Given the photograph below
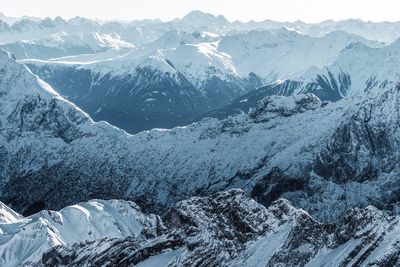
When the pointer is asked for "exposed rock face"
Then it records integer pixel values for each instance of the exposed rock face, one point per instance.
(275, 106)
(229, 229)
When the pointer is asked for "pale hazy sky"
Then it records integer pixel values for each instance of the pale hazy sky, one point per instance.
(282, 10)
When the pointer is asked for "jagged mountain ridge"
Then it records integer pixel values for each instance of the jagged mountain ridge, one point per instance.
(148, 30)
(274, 151)
(226, 229)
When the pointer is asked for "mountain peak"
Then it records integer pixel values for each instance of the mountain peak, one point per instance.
(198, 16)
(14, 78)
(197, 13)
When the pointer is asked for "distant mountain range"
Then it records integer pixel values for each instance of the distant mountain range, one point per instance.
(194, 21)
(151, 74)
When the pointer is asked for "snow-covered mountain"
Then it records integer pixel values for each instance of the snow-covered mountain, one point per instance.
(28, 29)
(145, 31)
(215, 69)
(385, 31)
(200, 21)
(12, 20)
(62, 45)
(23, 240)
(224, 229)
(277, 54)
(143, 89)
(357, 70)
(324, 157)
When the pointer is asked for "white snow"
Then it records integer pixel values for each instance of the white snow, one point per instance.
(277, 54)
(363, 64)
(23, 240)
(7, 215)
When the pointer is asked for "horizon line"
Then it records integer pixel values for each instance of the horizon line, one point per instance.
(33, 17)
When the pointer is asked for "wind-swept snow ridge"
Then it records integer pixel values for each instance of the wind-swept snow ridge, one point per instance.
(7, 215)
(23, 240)
(13, 72)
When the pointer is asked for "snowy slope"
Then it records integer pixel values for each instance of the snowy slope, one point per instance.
(385, 31)
(24, 239)
(62, 44)
(331, 159)
(7, 215)
(174, 39)
(198, 62)
(28, 29)
(277, 54)
(11, 20)
(136, 33)
(367, 69)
